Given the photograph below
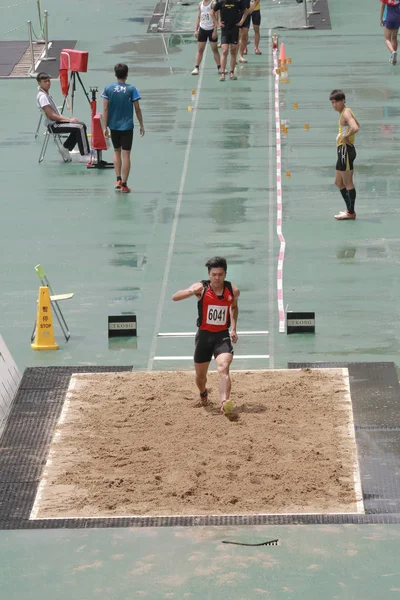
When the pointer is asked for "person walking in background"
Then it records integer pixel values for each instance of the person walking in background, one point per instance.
(120, 99)
(390, 20)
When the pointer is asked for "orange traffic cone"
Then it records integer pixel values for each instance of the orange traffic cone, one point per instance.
(282, 54)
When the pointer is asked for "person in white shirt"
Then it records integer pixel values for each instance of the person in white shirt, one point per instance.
(60, 124)
(206, 29)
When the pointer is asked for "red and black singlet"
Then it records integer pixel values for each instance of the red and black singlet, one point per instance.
(214, 314)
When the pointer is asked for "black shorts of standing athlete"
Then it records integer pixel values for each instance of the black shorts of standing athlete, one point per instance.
(122, 139)
(205, 35)
(256, 17)
(346, 155)
(209, 343)
(230, 36)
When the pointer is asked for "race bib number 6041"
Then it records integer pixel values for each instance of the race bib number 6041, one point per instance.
(217, 315)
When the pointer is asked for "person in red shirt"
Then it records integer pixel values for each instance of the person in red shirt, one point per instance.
(217, 304)
(390, 20)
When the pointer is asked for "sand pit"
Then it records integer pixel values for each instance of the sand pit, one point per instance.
(140, 444)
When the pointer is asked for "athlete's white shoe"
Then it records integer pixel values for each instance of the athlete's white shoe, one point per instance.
(232, 76)
(222, 77)
(242, 60)
(195, 71)
(393, 58)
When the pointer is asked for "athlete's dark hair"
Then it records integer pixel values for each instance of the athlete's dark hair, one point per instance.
(121, 71)
(41, 76)
(337, 95)
(216, 263)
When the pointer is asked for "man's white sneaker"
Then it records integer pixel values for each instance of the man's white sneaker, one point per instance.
(65, 154)
(232, 76)
(393, 58)
(195, 71)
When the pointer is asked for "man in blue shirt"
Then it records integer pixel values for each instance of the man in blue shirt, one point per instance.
(119, 100)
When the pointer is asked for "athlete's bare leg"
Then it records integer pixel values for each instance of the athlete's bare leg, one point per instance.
(200, 51)
(256, 36)
(214, 48)
(223, 363)
(234, 50)
(390, 39)
(117, 161)
(126, 165)
(201, 375)
(224, 58)
(243, 40)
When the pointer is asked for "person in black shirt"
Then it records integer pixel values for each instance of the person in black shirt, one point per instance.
(233, 15)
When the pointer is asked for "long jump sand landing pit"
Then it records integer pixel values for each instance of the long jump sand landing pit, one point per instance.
(140, 444)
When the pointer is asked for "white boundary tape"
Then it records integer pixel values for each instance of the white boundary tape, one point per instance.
(281, 256)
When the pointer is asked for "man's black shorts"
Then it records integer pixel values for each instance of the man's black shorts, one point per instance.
(256, 17)
(122, 139)
(206, 34)
(208, 343)
(230, 36)
(346, 156)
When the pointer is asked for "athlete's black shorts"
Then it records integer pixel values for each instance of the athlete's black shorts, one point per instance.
(206, 34)
(230, 36)
(256, 17)
(122, 139)
(209, 343)
(246, 23)
(346, 156)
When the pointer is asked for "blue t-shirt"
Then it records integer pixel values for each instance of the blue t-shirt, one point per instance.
(121, 97)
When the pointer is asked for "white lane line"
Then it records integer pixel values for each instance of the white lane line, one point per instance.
(236, 357)
(271, 208)
(178, 334)
(175, 221)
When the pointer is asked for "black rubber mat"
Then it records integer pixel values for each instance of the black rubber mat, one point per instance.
(25, 443)
(10, 54)
(375, 394)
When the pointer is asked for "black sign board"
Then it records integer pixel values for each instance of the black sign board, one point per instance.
(300, 322)
(122, 325)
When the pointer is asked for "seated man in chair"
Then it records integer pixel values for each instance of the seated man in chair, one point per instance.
(60, 124)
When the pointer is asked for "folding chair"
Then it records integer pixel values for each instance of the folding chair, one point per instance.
(54, 299)
(57, 138)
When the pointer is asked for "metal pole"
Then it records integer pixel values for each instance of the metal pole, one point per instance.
(46, 37)
(31, 47)
(305, 12)
(40, 15)
(312, 11)
(165, 14)
(46, 34)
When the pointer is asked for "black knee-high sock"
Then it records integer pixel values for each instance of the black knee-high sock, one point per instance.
(352, 199)
(345, 197)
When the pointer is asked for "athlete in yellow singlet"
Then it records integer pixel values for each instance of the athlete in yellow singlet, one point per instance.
(346, 154)
(255, 17)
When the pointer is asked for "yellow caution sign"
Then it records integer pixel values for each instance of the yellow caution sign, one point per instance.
(44, 335)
